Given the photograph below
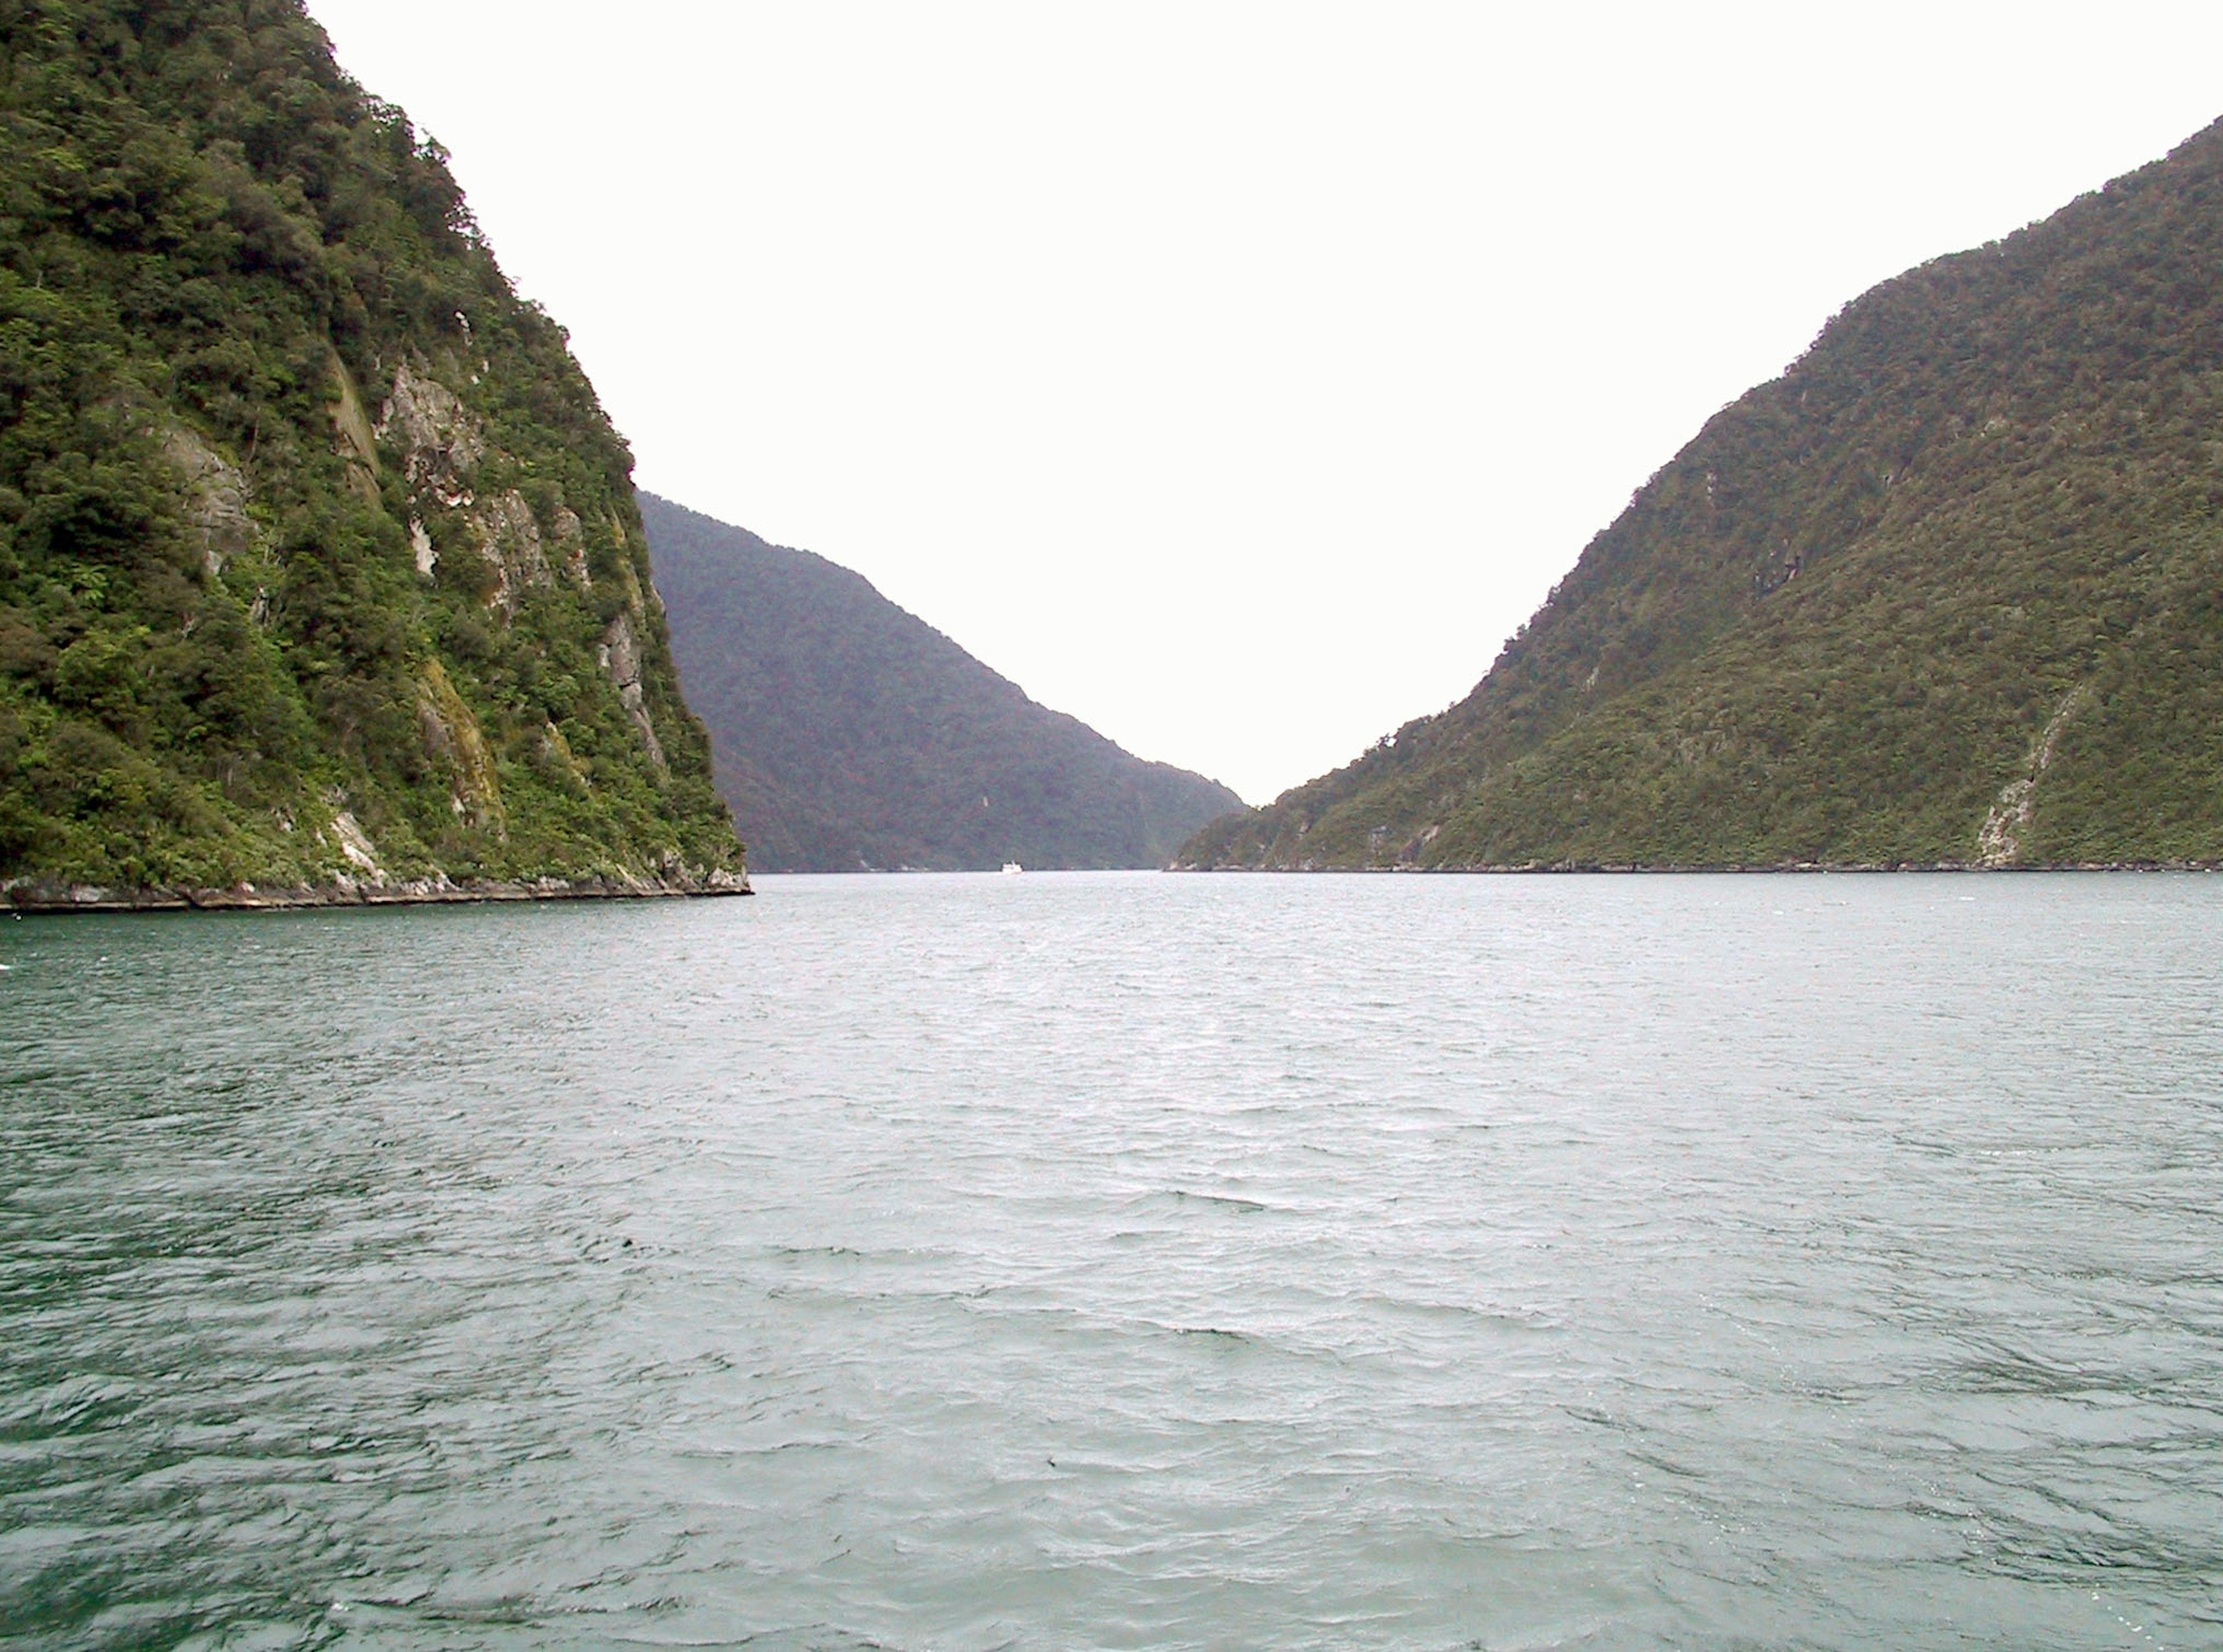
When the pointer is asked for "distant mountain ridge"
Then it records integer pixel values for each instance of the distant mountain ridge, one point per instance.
(1949, 592)
(849, 735)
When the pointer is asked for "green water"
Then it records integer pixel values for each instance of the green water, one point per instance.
(1123, 1260)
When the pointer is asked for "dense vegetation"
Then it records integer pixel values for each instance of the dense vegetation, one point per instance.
(1949, 591)
(851, 735)
(318, 559)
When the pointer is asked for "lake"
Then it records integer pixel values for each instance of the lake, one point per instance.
(1123, 1260)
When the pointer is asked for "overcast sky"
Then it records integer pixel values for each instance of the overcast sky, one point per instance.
(1233, 376)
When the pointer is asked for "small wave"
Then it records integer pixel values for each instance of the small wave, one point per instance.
(1590, 1413)
(1222, 1201)
(1234, 1338)
(1451, 1313)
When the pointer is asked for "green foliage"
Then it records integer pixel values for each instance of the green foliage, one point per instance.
(216, 255)
(851, 734)
(1945, 593)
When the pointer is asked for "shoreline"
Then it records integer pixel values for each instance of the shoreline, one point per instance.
(1773, 867)
(46, 895)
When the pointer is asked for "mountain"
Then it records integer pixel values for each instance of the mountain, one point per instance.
(851, 735)
(321, 576)
(1949, 592)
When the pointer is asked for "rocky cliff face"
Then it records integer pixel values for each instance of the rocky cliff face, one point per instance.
(321, 573)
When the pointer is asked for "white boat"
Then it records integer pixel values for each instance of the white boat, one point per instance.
(1010, 866)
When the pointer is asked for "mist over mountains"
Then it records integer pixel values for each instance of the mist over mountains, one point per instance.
(850, 735)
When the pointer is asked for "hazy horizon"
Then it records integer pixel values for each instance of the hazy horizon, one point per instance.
(1235, 378)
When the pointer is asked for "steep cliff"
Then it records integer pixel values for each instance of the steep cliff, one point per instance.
(321, 574)
(851, 734)
(1948, 591)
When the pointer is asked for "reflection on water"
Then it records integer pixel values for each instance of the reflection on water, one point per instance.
(1123, 1260)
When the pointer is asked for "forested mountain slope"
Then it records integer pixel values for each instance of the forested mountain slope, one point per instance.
(320, 570)
(1949, 591)
(851, 735)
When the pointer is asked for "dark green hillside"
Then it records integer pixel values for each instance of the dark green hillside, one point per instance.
(1949, 591)
(320, 563)
(850, 734)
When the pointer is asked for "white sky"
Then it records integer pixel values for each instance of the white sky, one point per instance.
(1234, 376)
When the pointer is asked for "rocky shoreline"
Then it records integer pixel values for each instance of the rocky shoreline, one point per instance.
(33, 895)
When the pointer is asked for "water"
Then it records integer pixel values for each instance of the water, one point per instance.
(1123, 1261)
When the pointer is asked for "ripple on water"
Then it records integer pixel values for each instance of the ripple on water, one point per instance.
(1123, 1260)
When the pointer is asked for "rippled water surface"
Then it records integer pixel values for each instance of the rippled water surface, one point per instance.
(1124, 1261)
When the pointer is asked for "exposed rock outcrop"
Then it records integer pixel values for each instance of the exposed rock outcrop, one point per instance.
(1998, 840)
(356, 846)
(509, 539)
(216, 499)
(352, 432)
(620, 656)
(440, 442)
(571, 536)
(452, 737)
